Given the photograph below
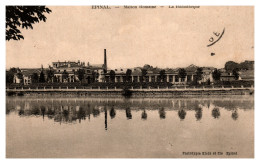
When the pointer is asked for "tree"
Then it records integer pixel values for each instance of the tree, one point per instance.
(80, 73)
(50, 75)
(23, 16)
(94, 76)
(35, 78)
(112, 75)
(144, 73)
(147, 67)
(230, 66)
(162, 75)
(42, 79)
(65, 76)
(199, 74)
(216, 75)
(9, 77)
(235, 73)
(182, 73)
(128, 74)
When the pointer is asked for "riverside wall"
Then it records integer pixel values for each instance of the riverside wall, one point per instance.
(129, 93)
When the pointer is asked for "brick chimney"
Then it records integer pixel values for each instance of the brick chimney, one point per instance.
(105, 60)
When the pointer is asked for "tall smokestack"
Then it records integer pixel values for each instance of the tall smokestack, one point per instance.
(105, 60)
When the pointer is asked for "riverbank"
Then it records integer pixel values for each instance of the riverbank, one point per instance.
(159, 92)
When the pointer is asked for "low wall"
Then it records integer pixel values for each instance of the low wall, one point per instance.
(172, 92)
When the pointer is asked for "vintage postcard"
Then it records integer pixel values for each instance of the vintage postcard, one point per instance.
(130, 81)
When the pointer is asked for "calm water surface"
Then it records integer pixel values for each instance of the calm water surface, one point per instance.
(118, 127)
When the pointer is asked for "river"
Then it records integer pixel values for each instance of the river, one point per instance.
(130, 128)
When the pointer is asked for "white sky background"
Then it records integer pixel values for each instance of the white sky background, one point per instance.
(160, 37)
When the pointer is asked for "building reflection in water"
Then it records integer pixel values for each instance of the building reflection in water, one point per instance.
(69, 111)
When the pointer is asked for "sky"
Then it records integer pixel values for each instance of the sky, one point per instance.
(163, 37)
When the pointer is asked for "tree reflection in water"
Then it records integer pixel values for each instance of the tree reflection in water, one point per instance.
(81, 114)
(112, 113)
(128, 113)
(162, 113)
(198, 113)
(71, 111)
(215, 113)
(234, 115)
(182, 114)
(144, 115)
(21, 112)
(96, 112)
(43, 111)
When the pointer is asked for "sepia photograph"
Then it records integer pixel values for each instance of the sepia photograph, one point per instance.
(127, 81)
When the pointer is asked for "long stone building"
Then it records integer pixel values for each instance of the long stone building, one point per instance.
(67, 72)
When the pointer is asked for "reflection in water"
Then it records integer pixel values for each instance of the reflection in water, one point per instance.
(105, 108)
(215, 113)
(128, 113)
(182, 114)
(234, 115)
(198, 114)
(69, 111)
(144, 115)
(112, 112)
(118, 127)
(162, 113)
(43, 111)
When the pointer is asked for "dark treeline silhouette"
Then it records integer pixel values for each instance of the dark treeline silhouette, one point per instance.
(70, 111)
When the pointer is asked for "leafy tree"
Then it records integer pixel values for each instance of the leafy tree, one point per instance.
(65, 75)
(162, 75)
(235, 73)
(182, 73)
(216, 75)
(50, 75)
(144, 73)
(10, 74)
(55, 79)
(23, 16)
(35, 78)
(128, 74)
(80, 73)
(42, 79)
(9, 77)
(230, 66)
(147, 67)
(94, 76)
(199, 74)
(112, 75)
